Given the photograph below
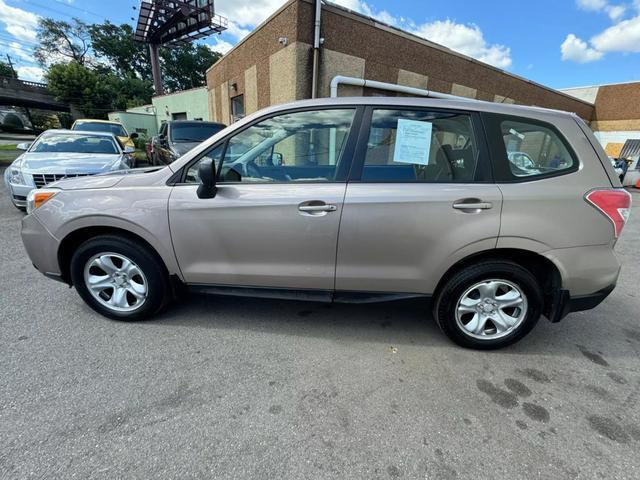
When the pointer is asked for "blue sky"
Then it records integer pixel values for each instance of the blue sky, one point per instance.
(559, 43)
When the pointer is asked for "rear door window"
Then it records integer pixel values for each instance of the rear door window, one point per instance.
(526, 149)
(420, 146)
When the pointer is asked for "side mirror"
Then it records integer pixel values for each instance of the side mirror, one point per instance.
(207, 174)
(23, 146)
(133, 135)
(129, 150)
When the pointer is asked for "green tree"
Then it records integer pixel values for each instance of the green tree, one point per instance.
(61, 41)
(115, 44)
(82, 87)
(7, 71)
(129, 91)
(185, 66)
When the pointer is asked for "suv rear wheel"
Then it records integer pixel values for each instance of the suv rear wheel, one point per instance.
(119, 278)
(489, 305)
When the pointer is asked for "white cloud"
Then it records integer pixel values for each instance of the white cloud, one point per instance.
(21, 53)
(237, 31)
(221, 46)
(248, 12)
(363, 7)
(32, 74)
(18, 23)
(577, 50)
(593, 5)
(621, 37)
(466, 39)
(615, 12)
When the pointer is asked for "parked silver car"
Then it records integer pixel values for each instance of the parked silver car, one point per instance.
(58, 154)
(353, 200)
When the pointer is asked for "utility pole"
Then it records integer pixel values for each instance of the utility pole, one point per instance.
(15, 74)
(155, 68)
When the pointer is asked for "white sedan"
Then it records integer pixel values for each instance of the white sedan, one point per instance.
(58, 154)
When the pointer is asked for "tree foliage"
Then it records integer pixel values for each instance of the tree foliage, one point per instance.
(61, 41)
(7, 71)
(115, 44)
(184, 67)
(100, 68)
(96, 92)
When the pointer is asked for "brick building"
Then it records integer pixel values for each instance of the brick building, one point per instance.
(274, 64)
(616, 116)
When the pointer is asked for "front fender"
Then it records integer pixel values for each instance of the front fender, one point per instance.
(141, 211)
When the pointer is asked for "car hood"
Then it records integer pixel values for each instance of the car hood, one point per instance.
(105, 180)
(68, 163)
(183, 147)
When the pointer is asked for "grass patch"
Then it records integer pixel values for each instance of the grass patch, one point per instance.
(8, 147)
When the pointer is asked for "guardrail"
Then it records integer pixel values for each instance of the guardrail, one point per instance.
(9, 82)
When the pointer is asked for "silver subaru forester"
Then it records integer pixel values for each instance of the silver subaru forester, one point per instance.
(497, 213)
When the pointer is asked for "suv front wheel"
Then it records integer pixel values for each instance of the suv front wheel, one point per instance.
(120, 278)
(488, 305)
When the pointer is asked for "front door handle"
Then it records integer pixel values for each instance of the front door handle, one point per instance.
(317, 208)
(472, 205)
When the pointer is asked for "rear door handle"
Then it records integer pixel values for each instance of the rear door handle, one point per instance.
(473, 206)
(317, 208)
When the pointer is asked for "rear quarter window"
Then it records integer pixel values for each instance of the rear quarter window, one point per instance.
(524, 149)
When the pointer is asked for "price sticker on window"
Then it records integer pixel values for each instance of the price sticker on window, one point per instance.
(413, 142)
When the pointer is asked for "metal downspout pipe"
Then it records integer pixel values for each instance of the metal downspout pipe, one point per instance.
(316, 50)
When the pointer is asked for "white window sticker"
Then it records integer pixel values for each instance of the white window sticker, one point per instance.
(413, 142)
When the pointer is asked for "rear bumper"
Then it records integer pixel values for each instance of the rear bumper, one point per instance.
(578, 303)
(587, 302)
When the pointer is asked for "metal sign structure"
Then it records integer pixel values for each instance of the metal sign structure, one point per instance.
(173, 23)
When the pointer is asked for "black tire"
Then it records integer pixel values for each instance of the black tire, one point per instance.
(447, 297)
(158, 287)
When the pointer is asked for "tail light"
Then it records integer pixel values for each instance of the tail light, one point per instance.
(614, 203)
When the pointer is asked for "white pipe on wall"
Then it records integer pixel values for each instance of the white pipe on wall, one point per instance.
(392, 87)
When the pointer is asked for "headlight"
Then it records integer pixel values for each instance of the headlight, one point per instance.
(15, 176)
(37, 198)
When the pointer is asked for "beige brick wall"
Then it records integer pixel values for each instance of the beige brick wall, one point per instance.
(335, 63)
(463, 91)
(412, 79)
(224, 101)
(615, 125)
(286, 73)
(251, 90)
(212, 105)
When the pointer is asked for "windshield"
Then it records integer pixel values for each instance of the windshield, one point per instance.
(114, 128)
(73, 143)
(193, 132)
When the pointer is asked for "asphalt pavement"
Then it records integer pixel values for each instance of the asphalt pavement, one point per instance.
(231, 388)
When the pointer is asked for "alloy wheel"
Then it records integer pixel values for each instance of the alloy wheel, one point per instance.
(491, 309)
(116, 282)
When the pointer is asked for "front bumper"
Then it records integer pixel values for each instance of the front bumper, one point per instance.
(41, 246)
(19, 193)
